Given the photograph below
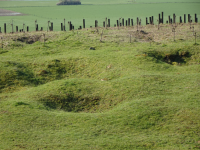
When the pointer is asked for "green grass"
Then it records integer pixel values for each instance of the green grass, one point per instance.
(121, 95)
(99, 10)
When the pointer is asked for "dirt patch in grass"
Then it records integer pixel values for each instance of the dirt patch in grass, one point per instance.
(29, 39)
(4, 12)
(174, 57)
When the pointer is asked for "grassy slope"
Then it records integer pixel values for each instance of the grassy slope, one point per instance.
(70, 13)
(124, 98)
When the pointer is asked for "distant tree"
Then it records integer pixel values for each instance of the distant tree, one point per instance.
(69, 2)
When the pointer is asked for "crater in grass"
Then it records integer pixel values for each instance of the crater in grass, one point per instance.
(70, 102)
(29, 39)
(173, 57)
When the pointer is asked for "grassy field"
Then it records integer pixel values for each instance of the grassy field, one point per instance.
(125, 94)
(91, 11)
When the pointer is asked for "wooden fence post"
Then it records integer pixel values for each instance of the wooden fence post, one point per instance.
(51, 26)
(123, 22)
(169, 19)
(5, 28)
(48, 26)
(84, 23)
(0, 29)
(64, 25)
(196, 19)
(189, 18)
(108, 22)
(27, 29)
(95, 23)
(131, 22)
(61, 26)
(152, 21)
(184, 18)
(128, 21)
(159, 20)
(147, 21)
(174, 18)
(2, 42)
(35, 25)
(162, 17)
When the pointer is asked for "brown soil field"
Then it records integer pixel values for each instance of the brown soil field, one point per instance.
(4, 12)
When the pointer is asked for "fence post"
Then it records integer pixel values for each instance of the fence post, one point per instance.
(48, 26)
(137, 23)
(149, 20)
(128, 21)
(180, 19)
(108, 22)
(95, 23)
(16, 28)
(169, 19)
(146, 21)
(152, 21)
(188, 17)
(2, 42)
(23, 27)
(174, 18)
(104, 24)
(162, 17)
(195, 16)
(35, 25)
(51, 26)
(64, 25)
(84, 23)
(131, 22)
(123, 22)
(159, 19)
(184, 18)
(27, 29)
(0, 29)
(5, 28)
(71, 26)
(61, 26)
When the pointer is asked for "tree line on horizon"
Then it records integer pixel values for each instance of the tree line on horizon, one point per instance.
(69, 2)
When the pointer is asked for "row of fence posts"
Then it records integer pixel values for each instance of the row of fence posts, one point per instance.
(170, 20)
(106, 23)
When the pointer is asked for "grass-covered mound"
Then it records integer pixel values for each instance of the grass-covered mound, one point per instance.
(116, 95)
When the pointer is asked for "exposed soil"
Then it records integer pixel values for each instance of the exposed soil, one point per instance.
(4, 12)
(29, 39)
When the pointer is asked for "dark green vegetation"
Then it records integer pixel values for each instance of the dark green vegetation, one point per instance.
(122, 95)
